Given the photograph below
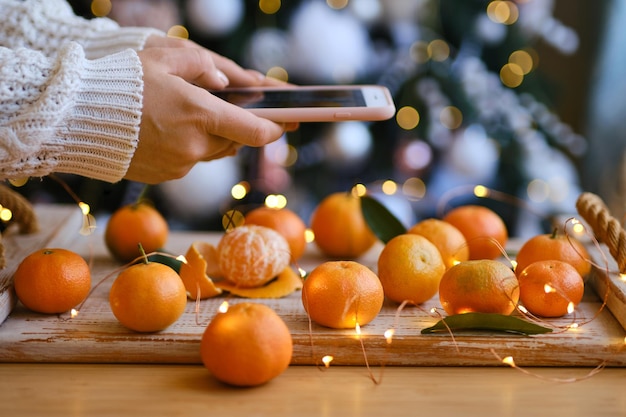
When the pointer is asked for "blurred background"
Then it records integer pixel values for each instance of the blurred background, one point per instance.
(522, 97)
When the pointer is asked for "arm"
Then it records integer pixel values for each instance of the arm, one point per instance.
(68, 114)
(72, 115)
(46, 25)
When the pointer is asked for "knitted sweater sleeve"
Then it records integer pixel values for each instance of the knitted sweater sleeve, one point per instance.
(46, 25)
(70, 92)
(68, 114)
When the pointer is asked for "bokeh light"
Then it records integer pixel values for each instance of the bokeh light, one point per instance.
(512, 75)
(101, 8)
(451, 117)
(269, 6)
(438, 50)
(523, 59)
(389, 187)
(414, 188)
(240, 190)
(178, 31)
(276, 201)
(505, 12)
(408, 118)
(278, 73)
(419, 52)
(337, 4)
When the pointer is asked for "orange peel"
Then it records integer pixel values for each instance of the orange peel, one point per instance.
(285, 283)
(196, 271)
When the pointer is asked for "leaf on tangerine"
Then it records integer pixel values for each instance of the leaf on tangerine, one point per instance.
(285, 283)
(195, 272)
(380, 220)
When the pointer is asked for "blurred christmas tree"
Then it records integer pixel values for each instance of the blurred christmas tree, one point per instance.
(471, 107)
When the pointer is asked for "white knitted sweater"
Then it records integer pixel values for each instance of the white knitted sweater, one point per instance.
(70, 92)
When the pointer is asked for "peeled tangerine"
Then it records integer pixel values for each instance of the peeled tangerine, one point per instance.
(250, 256)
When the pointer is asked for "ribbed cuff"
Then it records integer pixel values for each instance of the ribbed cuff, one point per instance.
(101, 133)
(105, 42)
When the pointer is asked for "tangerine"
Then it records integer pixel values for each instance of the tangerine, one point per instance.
(483, 228)
(148, 297)
(342, 294)
(339, 226)
(52, 280)
(410, 268)
(482, 286)
(556, 246)
(132, 225)
(550, 288)
(447, 238)
(285, 222)
(247, 345)
(250, 255)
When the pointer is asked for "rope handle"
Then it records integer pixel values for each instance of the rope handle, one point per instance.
(23, 214)
(607, 228)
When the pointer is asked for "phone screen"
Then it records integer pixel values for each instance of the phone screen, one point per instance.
(284, 98)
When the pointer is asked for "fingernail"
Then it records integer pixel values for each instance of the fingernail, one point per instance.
(223, 78)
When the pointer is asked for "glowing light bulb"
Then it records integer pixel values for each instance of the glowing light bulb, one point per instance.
(302, 272)
(573, 326)
(182, 259)
(327, 360)
(481, 191)
(389, 335)
(547, 288)
(73, 313)
(570, 307)
(223, 308)
(522, 309)
(357, 330)
(84, 207)
(509, 361)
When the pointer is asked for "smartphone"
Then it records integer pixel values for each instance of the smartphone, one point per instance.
(318, 103)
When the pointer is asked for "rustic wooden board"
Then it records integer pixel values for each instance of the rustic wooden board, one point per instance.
(52, 225)
(96, 336)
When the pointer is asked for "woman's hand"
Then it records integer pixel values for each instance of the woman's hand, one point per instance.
(181, 122)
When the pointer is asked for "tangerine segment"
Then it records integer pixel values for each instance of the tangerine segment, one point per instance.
(410, 268)
(342, 294)
(554, 246)
(483, 228)
(250, 256)
(549, 288)
(481, 286)
(52, 280)
(194, 271)
(339, 227)
(285, 283)
(247, 345)
(147, 297)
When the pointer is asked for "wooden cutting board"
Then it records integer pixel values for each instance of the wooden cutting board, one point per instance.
(95, 335)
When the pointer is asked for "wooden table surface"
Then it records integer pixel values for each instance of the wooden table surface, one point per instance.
(189, 390)
(32, 388)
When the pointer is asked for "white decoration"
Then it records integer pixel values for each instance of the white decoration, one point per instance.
(327, 45)
(267, 48)
(215, 17)
(348, 144)
(474, 155)
(201, 193)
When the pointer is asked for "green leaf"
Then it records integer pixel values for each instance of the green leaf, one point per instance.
(382, 222)
(164, 259)
(486, 321)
